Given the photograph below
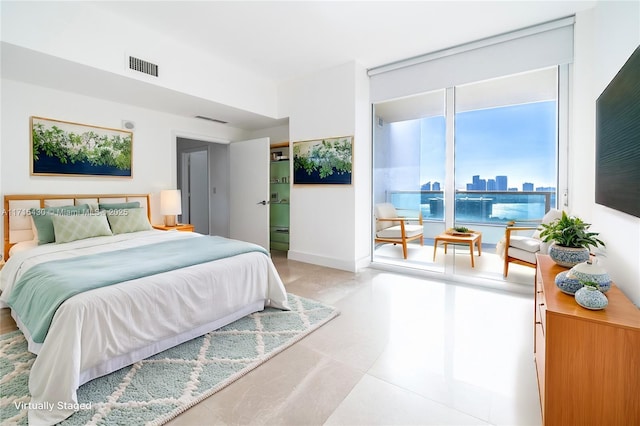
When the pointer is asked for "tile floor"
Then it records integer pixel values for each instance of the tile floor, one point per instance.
(404, 351)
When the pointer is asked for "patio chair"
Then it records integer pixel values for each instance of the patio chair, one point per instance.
(520, 249)
(392, 228)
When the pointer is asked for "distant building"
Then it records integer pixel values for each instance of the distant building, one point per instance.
(527, 186)
(426, 187)
(477, 185)
(435, 186)
(513, 189)
(501, 183)
(491, 185)
(546, 189)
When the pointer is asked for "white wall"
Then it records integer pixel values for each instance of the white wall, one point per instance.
(363, 221)
(604, 39)
(82, 32)
(154, 162)
(275, 134)
(329, 222)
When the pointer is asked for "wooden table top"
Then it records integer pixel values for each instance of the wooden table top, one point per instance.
(459, 238)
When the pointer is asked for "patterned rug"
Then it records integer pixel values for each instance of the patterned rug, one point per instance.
(159, 388)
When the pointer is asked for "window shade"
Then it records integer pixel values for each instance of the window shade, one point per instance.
(523, 50)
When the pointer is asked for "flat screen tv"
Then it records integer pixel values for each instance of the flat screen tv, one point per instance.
(618, 140)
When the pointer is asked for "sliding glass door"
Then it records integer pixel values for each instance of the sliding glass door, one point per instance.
(506, 146)
(410, 167)
(477, 156)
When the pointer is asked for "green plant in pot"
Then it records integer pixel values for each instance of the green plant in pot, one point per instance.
(570, 239)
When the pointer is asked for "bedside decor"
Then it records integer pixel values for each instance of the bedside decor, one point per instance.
(566, 284)
(170, 205)
(460, 231)
(591, 271)
(323, 161)
(571, 240)
(590, 297)
(65, 148)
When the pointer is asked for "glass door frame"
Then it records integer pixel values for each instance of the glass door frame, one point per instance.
(563, 110)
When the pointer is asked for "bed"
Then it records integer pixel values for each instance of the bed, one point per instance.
(143, 290)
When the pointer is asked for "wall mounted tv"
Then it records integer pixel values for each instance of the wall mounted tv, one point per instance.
(618, 140)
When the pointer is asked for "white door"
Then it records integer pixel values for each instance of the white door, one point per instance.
(249, 191)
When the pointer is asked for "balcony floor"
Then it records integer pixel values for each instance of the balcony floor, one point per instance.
(487, 271)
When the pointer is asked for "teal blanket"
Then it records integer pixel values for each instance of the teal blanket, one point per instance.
(43, 288)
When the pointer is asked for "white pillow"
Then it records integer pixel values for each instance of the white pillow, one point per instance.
(549, 217)
(78, 227)
(22, 246)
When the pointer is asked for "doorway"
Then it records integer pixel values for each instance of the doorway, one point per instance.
(203, 178)
(195, 189)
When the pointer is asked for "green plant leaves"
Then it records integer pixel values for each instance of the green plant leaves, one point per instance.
(89, 147)
(327, 158)
(570, 232)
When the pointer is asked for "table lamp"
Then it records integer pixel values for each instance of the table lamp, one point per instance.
(170, 205)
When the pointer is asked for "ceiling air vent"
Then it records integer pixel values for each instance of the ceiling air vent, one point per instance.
(143, 66)
(215, 120)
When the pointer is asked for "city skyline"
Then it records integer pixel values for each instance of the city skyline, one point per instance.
(500, 183)
(518, 141)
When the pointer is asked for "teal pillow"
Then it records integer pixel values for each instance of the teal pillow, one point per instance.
(44, 225)
(123, 221)
(118, 206)
(71, 228)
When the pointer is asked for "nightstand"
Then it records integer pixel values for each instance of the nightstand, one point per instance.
(184, 227)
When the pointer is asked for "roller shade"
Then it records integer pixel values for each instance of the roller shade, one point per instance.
(523, 50)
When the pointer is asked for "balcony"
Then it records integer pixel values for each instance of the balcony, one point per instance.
(486, 211)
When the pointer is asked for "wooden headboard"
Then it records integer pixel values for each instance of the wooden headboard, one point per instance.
(17, 223)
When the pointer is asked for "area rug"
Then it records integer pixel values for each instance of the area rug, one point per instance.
(159, 388)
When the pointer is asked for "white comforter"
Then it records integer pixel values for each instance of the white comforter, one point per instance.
(102, 330)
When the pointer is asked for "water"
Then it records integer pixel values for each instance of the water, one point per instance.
(519, 211)
(478, 207)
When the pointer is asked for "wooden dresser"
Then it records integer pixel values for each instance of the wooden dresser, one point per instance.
(588, 362)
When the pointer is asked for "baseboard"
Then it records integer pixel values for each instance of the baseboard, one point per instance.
(330, 262)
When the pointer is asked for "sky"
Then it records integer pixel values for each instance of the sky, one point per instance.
(515, 141)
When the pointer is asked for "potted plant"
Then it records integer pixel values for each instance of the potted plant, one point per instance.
(571, 240)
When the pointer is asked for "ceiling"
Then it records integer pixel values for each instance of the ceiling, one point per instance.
(287, 40)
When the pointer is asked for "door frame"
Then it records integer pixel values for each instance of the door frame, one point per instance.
(184, 182)
(177, 159)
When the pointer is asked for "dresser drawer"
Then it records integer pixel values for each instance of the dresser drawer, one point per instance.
(541, 315)
(541, 307)
(540, 357)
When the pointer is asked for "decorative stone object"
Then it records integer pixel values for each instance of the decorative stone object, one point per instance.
(567, 285)
(591, 298)
(568, 256)
(591, 271)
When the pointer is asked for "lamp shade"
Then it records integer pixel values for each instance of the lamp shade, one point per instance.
(170, 202)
